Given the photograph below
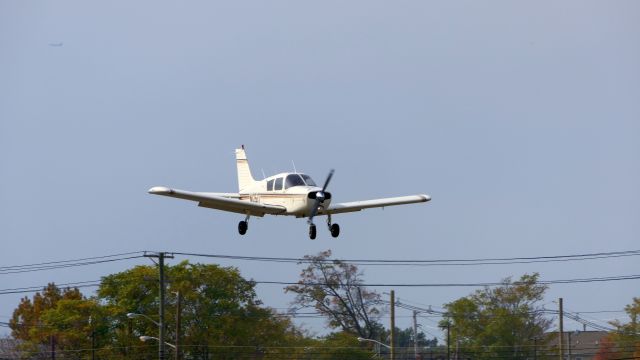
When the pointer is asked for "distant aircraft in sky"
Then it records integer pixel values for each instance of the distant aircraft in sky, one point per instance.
(292, 194)
(58, 44)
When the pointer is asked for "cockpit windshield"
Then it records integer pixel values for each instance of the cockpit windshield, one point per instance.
(308, 180)
(293, 180)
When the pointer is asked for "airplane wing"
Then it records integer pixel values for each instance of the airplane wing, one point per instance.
(220, 201)
(366, 204)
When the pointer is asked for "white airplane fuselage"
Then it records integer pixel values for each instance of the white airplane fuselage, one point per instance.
(295, 199)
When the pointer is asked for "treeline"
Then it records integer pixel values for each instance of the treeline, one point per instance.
(222, 318)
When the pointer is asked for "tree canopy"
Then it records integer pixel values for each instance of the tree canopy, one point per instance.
(625, 341)
(499, 322)
(221, 315)
(335, 289)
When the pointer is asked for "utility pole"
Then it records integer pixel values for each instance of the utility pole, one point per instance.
(161, 256)
(93, 338)
(53, 347)
(178, 312)
(535, 348)
(561, 337)
(393, 325)
(415, 334)
(448, 340)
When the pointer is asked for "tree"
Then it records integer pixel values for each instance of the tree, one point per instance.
(221, 315)
(79, 326)
(29, 324)
(627, 336)
(606, 350)
(334, 288)
(498, 322)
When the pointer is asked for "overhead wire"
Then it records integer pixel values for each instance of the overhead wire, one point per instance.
(427, 262)
(15, 269)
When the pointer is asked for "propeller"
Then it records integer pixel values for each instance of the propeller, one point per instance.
(320, 196)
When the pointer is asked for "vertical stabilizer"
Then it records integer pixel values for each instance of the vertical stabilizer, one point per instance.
(244, 173)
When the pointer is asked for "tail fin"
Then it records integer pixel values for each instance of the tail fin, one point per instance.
(244, 172)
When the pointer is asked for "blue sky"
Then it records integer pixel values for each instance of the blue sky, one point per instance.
(521, 120)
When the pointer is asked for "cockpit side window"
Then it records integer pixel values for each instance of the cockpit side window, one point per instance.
(293, 180)
(278, 184)
(270, 185)
(308, 180)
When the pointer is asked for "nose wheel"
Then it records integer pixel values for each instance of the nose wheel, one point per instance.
(334, 229)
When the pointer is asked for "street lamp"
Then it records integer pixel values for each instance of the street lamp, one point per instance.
(144, 338)
(134, 315)
(378, 344)
(374, 341)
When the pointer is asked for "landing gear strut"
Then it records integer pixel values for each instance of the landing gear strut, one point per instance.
(243, 226)
(333, 228)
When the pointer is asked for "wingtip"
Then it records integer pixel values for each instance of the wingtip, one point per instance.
(426, 197)
(159, 190)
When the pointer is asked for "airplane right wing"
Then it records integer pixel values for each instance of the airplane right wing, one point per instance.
(366, 204)
(220, 201)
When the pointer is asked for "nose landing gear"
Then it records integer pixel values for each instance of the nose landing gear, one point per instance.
(334, 229)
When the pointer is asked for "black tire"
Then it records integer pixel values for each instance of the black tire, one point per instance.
(312, 232)
(335, 230)
(242, 227)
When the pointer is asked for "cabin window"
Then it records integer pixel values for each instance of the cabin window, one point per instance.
(308, 180)
(293, 180)
(270, 185)
(278, 185)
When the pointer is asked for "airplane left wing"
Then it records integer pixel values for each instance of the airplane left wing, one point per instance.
(220, 201)
(366, 204)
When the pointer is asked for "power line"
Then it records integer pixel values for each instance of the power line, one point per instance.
(479, 284)
(428, 262)
(14, 269)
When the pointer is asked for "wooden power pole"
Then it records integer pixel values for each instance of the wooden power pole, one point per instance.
(561, 337)
(393, 325)
(161, 342)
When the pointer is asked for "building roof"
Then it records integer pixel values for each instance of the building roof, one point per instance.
(581, 343)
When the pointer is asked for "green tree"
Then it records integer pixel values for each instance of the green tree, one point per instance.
(627, 336)
(498, 322)
(79, 326)
(221, 315)
(334, 289)
(30, 324)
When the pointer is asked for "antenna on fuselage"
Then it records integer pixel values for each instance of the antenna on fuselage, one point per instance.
(263, 175)
(294, 167)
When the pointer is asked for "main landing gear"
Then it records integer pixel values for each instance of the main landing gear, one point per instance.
(243, 226)
(334, 229)
(312, 232)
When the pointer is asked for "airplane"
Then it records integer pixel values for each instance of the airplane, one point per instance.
(292, 194)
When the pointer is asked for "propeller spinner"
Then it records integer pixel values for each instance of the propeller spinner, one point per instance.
(320, 196)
